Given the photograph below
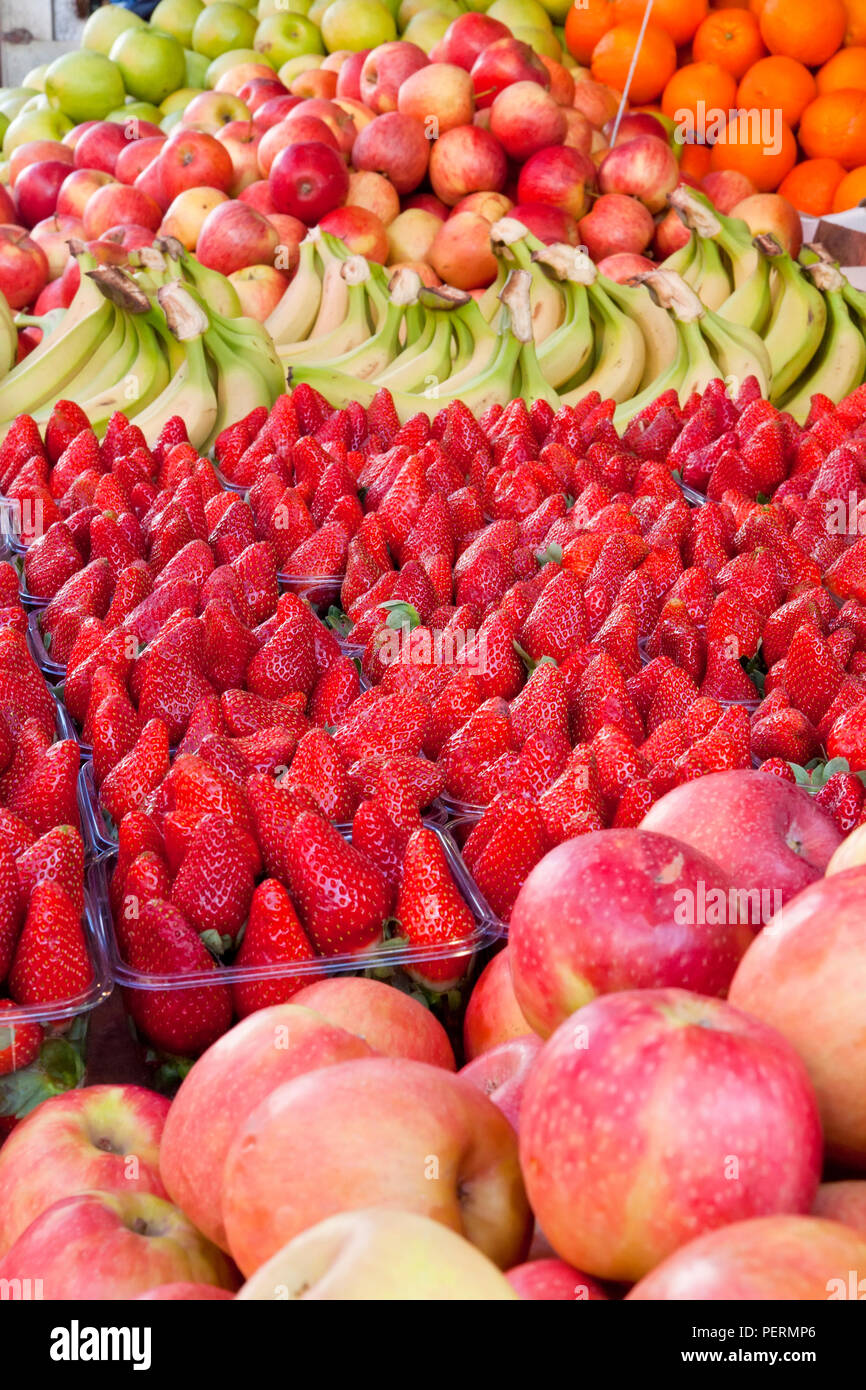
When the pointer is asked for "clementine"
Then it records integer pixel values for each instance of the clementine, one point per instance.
(811, 185)
(834, 127)
(731, 39)
(699, 94)
(855, 10)
(847, 68)
(764, 151)
(778, 84)
(679, 18)
(851, 191)
(585, 24)
(657, 61)
(804, 30)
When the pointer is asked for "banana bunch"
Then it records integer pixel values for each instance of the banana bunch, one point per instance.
(153, 341)
(8, 337)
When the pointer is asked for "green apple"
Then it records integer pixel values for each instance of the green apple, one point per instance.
(136, 110)
(356, 24)
(4, 126)
(13, 98)
(222, 27)
(169, 122)
(227, 61)
(295, 66)
(409, 8)
(557, 9)
(34, 80)
(525, 14)
(539, 40)
(152, 65)
(196, 68)
(284, 36)
(85, 85)
(35, 125)
(177, 17)
(479, 6)
(179, 100)
(105, 24)
(392, 5)
(266, 8)
(39, 102)
(316, 10)
(426, 28)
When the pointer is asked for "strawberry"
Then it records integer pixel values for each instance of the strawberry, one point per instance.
(634, 804)
(341, 897)
(115, 730)
(812, 673)
(50, 561)
(785, 733)
(558, 622)
(375, 835)
(228, 647)
(286, 662)
(846, 576)
(540, 761)
(542, 705)
(503, 848)
(842, 798)
(778, 768)
(572, 805)
(848, 738)
(51, 959)
(484, 737)
(15, 834)
(449, 710)
(384, 724)
(58, 855)
(273, 937)
(334, 692)
(432, 913)
(214, 885)
(318, 767)
(274, 810)
(180, 1021)
(20, 1042)
(131, 781)
(147, 877)
(725, 678)
(48, 796)
(244, 713)
(603, 698)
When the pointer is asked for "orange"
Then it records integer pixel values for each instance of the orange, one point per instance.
(847, 68)
(851, 191)
(612, 55)
(585, 24)
(765, 158)
(834, 127)
(679, 18)
(778, 84)
(809, 30)
(755, 7)
(695, 161)
(730, 38)
(856, 12)
(698, 94)
(811, 186)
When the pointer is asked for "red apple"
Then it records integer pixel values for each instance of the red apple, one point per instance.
(308, 181)
(223, 1088)
(100, 146)
(493, 1014)
(491, 206)
(728, 1098)
(194, 159)
(467, 160)
(258, 195)
(53, 235)
(428, 202)
(385, 69)
(547, 223)
(373, 192)
(184, 1293)
(553, 1280)
(559, 176)
(136, 157)
(259, 289)
(644, 167)
(411, 235)
(150, 181)
(274, 110)
(633, 124)
(792, 1258)
(338, 121)
(291, 232)
(23, 267)
(116, 203)
(598, 102)
(451, 1156)
(349, 76)
(113, 1245)
(242, 142)
(397, 147)
(127, 237)
(502, 1072)
(259, 90)
(461, 253)
(294, 130)
(616, 223)
(7, 207)
(362, 231)
(624, 265)
(811, 958)
(36, 190)
(503, 63)
(768, 835)
(186, 214)
(34, 152)
(726, 188)
(844, 1202)
(391, 1022)
(240, 75)
(525, 118)
(426, 274)
(77, 189)
(234, 235)
(72, 137)
(315, 82)
(467, 36)
(210, 111)
(561, 81)
(440, 95)
(670, 235)
(769, 212)
(104, 1137)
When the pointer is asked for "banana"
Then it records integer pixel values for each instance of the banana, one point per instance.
(694, 366)
(429, 359)
(351, 332)
(485, 345)
(730, 233)
(334, 290)
(250, 339)
(376, 352)
(293, 318)
(217, 291)
(681, 262)
(489, 302)
(189, 393)
(750, 306)
(107, 362)
(240, 387)
(655, 323)
(671, 379)
(8, 337)
(462, 344)
(517, 299)
(548, 302)
(797, 323)
(702, 367)
(739, 351)
(620, 356)
(839, 366)
(564, 353)
(711, 283)
(141, 381)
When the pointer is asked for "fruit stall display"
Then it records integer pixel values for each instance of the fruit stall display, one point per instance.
(432, 671)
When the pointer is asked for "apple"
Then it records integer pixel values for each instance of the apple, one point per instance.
(561, 80)
(85, 85)
(273, 111)
(812, 953)
(24, 268)
(670, 235)
(634, 124)
(291, 232)
(315, 82)
(466, 160)
(283, 36)
(258, 196)
(553, 1280)
(184, 1293)
(375, 193)
(53, 235)
(769, 212)
(104, 1137)
(844, 1202)
(77, 189)
(768, 835)
(222, 27)
(391, 1022)
(559, 176)
(395, 146)
(579, 134)
(36, 190)
(427, 202)
(177, 17)
(619, 910)
(525, 118)
(493, 1015)
(616, 223)
(729, 1096)
(259, 289)
(116, 203)
(36, 152)
(727, 187)
(548, 224)
(100, 146)
(34, 125)
(151, 64)
(113, 1245)
(194, 159)
(441, 95)
(501, 1073)
(623, 266)
(242, 142)
(467, 36)
(187, 212)
(349, 75)
(259, 90)
(502, 63)
(295, 130)
(426, 274)
(223, 1088)
(361, 114)
(362, 231)
(210, 111)
(105, 24)
(234, 235)
(645, 167)
(451, 1155)
(308, 180)
(7, 206)
(598, 102)
(126, 237)
(492, 206)
(411, 235)
(384, 71)
(461, 253)
(136, 157)
(347, 24)
(790, 1258)
(338, 121)
(378, 1254)
(232, 71)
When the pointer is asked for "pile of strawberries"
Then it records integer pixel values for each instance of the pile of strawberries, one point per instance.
(544, 627)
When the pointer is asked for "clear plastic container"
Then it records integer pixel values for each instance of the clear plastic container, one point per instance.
(239, 489)
(454, 808)
(52, 669)
(322, 591)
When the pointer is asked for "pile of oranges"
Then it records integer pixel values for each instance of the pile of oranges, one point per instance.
(775, 89)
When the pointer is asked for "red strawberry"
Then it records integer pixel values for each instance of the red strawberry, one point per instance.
(214, 885)
(319, 768)
(432, 913)
(484, 737)
(58, 855)
(48, 797)
(147, 877)
(274, 810)
(180, 1021)
(503, 848)
(785, 733)
(139, 773)
(779, 768)
(115, 730)
(572, 805)
(51, 960)
(842, 798)
(542, 705)
(334, 692)
(848, 738)
(342, 898)
(813, 676)
(20, 1045)
(273, 937)
(375, 835)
